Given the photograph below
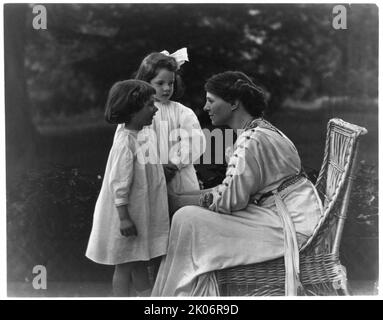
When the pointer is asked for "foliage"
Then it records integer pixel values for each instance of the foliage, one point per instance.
(292, 49)
(363, 212)
(49, 216)
(360, 243)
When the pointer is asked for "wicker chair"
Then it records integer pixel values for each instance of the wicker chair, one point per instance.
(321, 272)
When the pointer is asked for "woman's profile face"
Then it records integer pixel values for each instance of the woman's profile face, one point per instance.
(219, 110)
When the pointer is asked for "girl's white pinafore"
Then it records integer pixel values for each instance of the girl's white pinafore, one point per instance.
(142, 187)
(179, 139)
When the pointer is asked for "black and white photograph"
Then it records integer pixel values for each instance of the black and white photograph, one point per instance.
(175, 150)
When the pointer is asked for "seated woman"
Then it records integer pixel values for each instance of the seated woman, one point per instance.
(265, 208)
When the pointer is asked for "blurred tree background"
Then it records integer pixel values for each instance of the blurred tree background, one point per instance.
(57, 81)
(291, 49)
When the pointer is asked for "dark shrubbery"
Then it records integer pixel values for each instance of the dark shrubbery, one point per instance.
(49, 217)
(363, 210)
(360, 243)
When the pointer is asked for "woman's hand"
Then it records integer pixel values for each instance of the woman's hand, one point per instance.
(179, 200)
(206, 199)
(127, 228)
(170, 170)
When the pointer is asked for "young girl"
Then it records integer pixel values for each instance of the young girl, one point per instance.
(175, 129)
(131, 221)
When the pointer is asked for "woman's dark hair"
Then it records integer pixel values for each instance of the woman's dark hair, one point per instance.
(126, 98)
(155, 61)
(235, 85)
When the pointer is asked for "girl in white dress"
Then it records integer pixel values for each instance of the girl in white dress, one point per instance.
(131, 221)
(175, 130)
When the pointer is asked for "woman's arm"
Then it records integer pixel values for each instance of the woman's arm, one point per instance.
(243, 177)
(194, 192)
(191, 198)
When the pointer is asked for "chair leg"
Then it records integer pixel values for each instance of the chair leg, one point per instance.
(346, 289)
(342, 284)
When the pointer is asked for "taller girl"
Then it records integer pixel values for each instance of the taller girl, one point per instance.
(180, 140)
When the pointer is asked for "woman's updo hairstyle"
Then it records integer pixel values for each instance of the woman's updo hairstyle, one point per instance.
(126, 98)
(235, 85)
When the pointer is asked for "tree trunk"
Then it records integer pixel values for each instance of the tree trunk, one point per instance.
(21, 134)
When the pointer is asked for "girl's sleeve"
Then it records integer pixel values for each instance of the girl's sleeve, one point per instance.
(191, 140)
(119, 128)
(121, 176)
(243, 178)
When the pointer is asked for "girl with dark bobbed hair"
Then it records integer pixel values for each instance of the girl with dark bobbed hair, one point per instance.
(131, 219)
(265, 207)
(125, 98)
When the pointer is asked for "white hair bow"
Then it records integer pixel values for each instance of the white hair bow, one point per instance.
(180, 55)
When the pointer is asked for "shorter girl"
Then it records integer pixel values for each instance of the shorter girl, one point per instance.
(131, 222)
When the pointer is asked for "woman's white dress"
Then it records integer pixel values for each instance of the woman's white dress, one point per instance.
(237, 229)
(142, 187)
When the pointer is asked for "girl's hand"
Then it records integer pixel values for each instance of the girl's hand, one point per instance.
(169, 171)
(127, 228)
